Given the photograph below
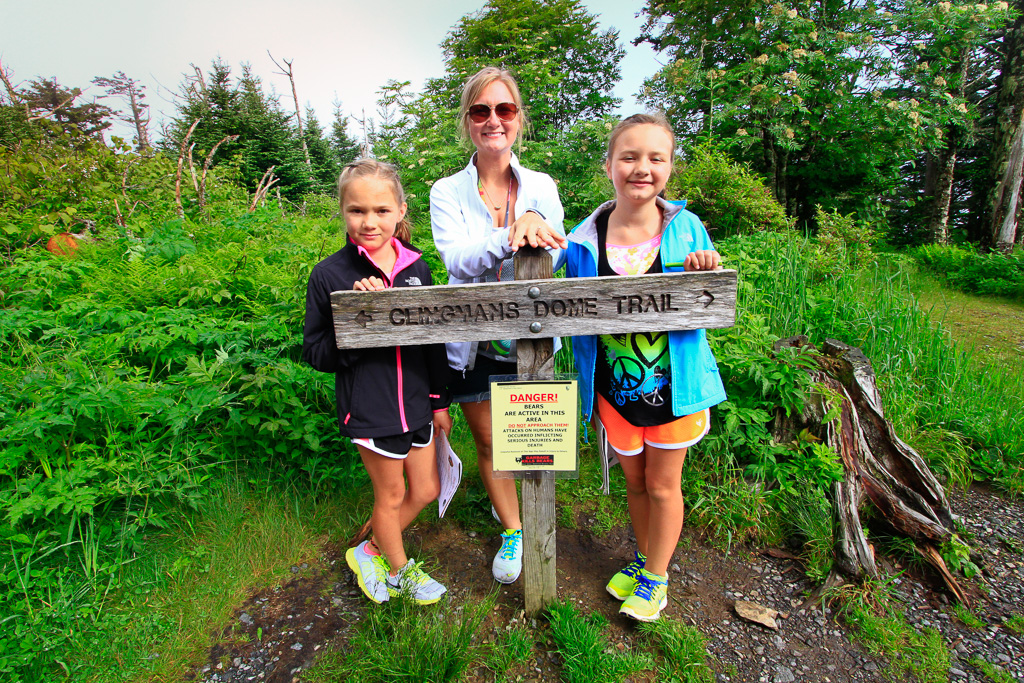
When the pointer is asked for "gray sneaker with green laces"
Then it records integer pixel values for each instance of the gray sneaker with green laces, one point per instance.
(414, 583)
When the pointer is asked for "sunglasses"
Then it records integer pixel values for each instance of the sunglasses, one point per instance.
(506, 111)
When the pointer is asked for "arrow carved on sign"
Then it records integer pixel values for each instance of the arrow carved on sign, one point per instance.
(363, 318)
(706, 298)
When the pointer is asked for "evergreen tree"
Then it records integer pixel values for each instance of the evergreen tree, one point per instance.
(224, 107)
(321, 156)
(45, 98)
(344, 147)
(129, 89)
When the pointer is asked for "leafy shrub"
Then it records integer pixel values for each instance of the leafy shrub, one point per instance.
(993, 274)
(728, 197)
(843, 243)
(62, 183)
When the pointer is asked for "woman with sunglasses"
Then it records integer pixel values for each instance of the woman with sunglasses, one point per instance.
(480, 217)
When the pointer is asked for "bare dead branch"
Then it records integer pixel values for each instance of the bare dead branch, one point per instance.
(298, 114)
(263, 187)
(201, 80)
(206, 168)
(5, 76)
(124, 177)
(192, 168)
(181, 162)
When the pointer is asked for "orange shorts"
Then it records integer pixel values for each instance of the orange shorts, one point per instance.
(628, 439)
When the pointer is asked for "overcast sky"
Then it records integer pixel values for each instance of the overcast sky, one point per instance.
(345, 49)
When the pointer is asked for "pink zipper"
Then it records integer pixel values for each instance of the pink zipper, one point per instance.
(401, 392)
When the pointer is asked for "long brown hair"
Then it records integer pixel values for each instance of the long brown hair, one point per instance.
(371, 168)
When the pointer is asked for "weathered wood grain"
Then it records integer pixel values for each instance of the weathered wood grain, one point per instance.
(555, 307)
(536, 361)
(539, 552)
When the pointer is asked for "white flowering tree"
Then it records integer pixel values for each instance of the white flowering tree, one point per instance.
(814, 95)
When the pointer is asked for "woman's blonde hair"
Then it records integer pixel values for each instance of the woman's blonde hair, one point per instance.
(371, 168)
(657, 119)
(475, 85)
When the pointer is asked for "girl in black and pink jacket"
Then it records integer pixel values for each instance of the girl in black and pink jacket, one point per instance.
(390, 400)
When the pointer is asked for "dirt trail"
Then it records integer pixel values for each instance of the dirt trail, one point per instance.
(280, 631)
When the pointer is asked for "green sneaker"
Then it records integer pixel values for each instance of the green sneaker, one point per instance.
(621, 585)
(371, 572)
(414, 583)
(650, 595)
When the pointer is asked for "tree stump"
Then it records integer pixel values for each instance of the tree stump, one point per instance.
(878, 467)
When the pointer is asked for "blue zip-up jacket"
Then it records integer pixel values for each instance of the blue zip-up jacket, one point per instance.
(696, 383)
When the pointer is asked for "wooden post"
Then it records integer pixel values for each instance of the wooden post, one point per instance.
(536, 359)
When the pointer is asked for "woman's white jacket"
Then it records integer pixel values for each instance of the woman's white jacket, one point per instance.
(465, 237)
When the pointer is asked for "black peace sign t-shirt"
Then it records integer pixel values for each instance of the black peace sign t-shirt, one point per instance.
(633, 372)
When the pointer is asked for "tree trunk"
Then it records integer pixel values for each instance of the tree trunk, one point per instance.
(1006, 205)
(781, 169)
(141, 124)
(938, 225)
(768, 151)
(295, 96)
(1006, 209)
(878, 467)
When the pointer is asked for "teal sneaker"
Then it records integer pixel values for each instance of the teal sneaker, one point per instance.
(371, 572)
(621, 585)
(414, 583)
(508, 563)
(649, 597)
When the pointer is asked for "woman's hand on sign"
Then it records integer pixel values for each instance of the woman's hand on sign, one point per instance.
(369, 284)
(533, 230)
(708, 259)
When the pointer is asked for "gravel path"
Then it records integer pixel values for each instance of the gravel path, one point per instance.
(279, 632)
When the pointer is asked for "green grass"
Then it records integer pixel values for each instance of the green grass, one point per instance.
(967, 618)
(991, 671)
(400, 641)
(683, 649)
(189, 579)
(927, 379)
(510, 652)
(990, 326)
(587, 655)
(879, 626)
(583, 496)
(1016, 624)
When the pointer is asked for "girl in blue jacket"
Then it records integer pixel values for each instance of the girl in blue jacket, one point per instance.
(652, 390)
(392, 399)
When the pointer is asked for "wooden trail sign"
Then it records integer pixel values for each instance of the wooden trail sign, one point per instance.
(533, 309)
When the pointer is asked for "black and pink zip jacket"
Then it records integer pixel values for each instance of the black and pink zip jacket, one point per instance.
(381, 391)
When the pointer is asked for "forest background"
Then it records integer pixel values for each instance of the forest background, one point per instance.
(828, 146)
